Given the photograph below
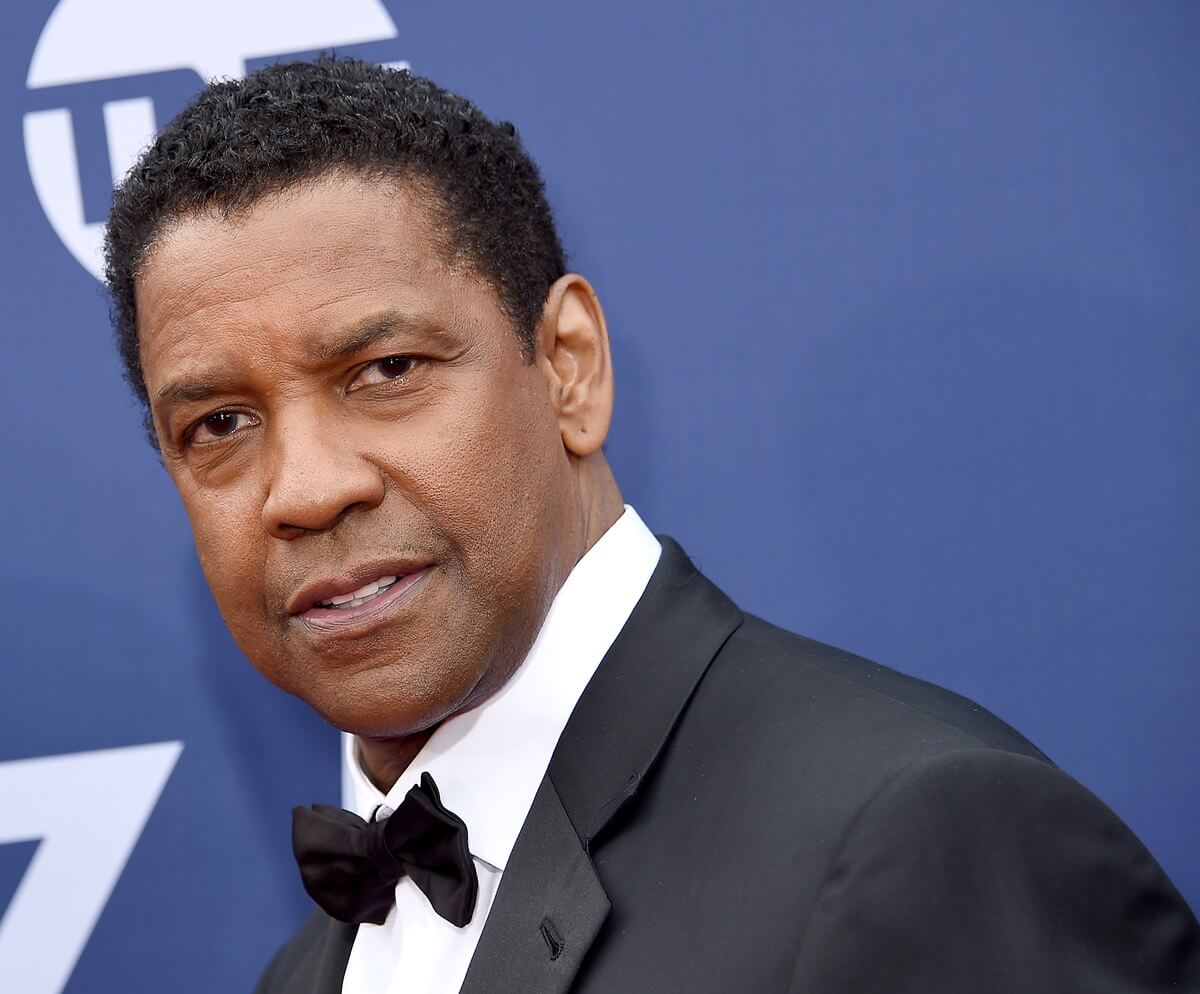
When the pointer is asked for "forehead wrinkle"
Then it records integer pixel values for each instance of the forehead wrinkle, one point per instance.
(260, 313)
(188, 256)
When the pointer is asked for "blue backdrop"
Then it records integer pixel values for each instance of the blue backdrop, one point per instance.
(907, 333)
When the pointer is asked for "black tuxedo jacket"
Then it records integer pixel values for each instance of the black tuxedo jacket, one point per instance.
(733, 808)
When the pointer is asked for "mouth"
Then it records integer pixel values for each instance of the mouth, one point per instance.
(357, 598)
(348, 610)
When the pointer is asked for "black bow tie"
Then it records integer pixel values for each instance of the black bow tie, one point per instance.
(351, 868)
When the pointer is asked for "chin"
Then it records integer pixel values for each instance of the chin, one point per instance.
(376, 705)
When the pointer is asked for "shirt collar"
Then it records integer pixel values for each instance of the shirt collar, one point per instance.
(488, 762)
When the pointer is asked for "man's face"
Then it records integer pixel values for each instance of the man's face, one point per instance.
(340, 408)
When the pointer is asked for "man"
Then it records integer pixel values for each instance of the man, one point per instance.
(339, 292)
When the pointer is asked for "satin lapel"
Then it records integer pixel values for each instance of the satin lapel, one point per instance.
(626, 714)
(551, 905)
(334, 954)
(547, 912)
(326, 944)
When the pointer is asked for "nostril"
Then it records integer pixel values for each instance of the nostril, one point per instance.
(287, 531)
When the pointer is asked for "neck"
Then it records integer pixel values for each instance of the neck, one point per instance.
(385, 760)
(600, 501)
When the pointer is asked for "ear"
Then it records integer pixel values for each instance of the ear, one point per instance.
(574, 355)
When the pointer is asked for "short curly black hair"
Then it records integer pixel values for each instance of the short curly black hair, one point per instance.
(240, 140)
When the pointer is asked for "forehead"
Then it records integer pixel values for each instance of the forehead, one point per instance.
(317, 253)
(347, 222)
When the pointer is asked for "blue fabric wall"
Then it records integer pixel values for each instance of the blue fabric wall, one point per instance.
(907, 333)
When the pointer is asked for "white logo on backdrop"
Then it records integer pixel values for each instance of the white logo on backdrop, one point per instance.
(88, 41)
(88, 809)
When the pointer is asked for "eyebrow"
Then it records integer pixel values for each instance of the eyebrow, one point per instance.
(186, 391)
(365, 334)
(356, 339)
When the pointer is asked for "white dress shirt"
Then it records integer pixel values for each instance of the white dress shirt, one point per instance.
(489, 762)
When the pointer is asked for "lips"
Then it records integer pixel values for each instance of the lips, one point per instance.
(361, 583)
(344, 609)
(357, 598)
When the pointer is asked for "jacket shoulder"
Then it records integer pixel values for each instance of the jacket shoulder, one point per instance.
(965, 857)
(862, 692)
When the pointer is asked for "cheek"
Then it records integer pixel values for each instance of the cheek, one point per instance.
(489, 475)
(229, 542)
(512, 480)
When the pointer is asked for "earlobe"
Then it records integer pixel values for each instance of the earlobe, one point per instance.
(578, 364)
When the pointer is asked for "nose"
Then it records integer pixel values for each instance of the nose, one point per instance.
(316, 477)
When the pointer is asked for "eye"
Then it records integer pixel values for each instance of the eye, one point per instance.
(393, 367)
(219, 424)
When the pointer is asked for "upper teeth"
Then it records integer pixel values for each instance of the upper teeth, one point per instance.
(362, 594)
